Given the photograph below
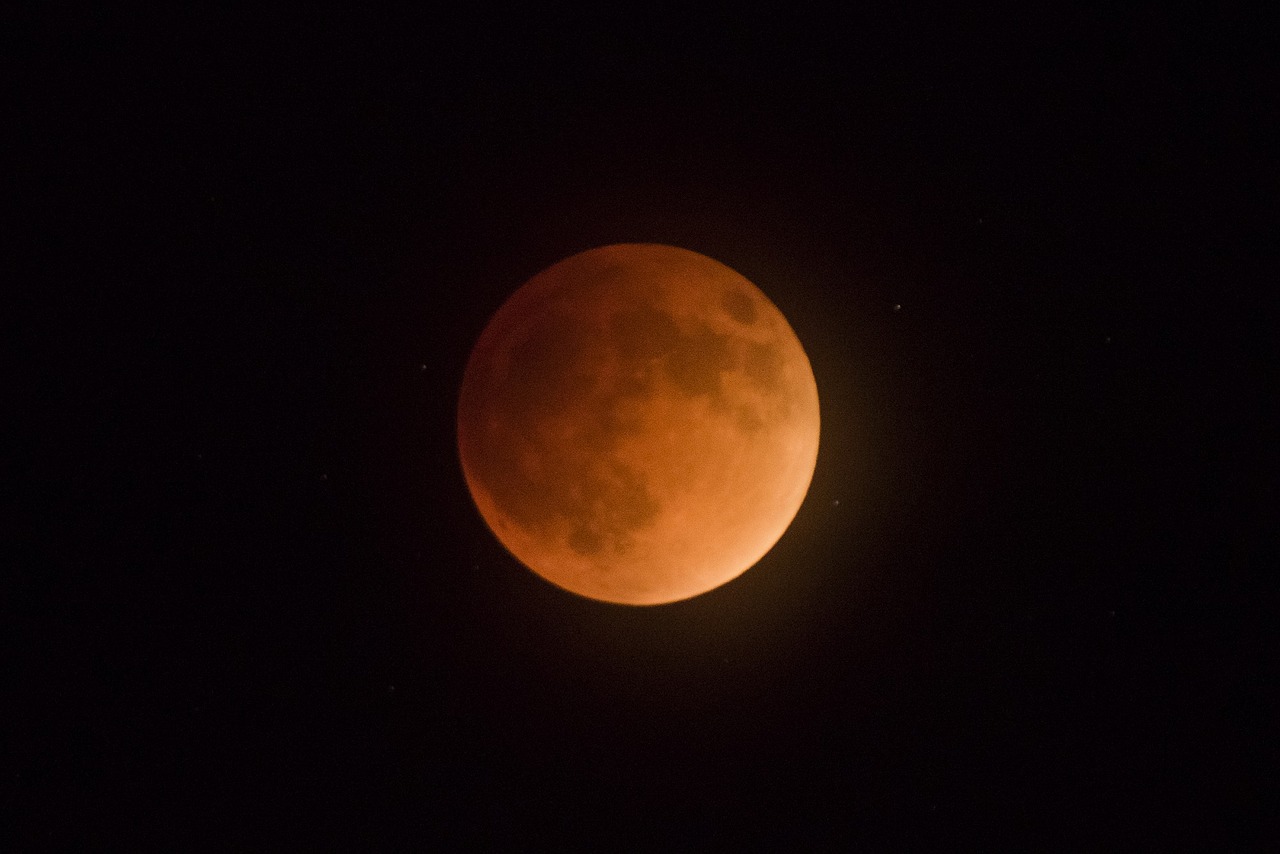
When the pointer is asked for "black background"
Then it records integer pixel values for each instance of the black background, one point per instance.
(1021, 606)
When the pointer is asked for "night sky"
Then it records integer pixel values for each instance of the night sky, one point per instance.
(255, 608)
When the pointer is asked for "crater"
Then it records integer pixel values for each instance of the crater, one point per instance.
(739, 306)
(585, 540)
(698, 360)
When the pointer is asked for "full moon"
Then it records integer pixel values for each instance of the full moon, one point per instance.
(638, 424)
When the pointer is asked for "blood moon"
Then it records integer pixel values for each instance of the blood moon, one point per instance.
(638, 424)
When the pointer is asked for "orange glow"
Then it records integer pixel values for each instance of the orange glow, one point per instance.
(638, 424)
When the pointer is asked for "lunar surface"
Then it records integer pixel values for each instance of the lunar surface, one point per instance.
(638, 424)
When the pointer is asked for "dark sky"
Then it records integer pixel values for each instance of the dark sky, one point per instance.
(255, 607)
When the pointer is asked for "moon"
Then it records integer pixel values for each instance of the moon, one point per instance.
(638, 424)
